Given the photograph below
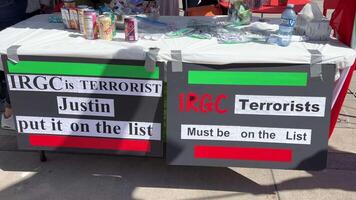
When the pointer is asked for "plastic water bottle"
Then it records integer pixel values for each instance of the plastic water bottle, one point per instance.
(286, 28)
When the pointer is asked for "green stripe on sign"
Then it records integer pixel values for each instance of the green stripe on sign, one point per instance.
(248, 78)
(81, 69)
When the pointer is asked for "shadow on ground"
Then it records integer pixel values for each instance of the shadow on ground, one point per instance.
(339, 175)
(347, 117)
(73, 176)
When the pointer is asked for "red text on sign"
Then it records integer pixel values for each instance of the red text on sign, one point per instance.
(205, 103)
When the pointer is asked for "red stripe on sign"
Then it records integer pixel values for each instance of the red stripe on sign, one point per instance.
(242, 153)
(90, 143)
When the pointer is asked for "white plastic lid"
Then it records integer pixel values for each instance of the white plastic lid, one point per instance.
(290, 5)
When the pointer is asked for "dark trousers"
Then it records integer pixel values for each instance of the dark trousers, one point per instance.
(4, 93)
(11, 12)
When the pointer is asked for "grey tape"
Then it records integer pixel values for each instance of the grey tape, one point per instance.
(177, 65)
(151, 59)
(12, 53)
(315, 63)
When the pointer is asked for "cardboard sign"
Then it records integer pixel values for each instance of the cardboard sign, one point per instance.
(249, 115)
(87, 105)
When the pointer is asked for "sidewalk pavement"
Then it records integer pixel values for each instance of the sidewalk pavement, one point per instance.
(93, 177)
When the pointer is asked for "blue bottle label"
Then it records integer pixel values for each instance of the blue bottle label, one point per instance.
(288, 22)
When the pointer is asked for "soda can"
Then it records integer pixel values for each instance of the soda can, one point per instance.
(90, 26)
(131, 29)
(113, 21)
(69, 3)
(105, 27)
(73, 19)
(81, 9)
(65, 17)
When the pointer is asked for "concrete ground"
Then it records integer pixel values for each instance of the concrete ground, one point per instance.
(94, 177)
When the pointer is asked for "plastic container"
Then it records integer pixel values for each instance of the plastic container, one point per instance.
(286, 28)
(239, 12)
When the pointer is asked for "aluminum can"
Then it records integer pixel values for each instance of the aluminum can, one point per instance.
(105, 27)
(131, 29)
(81, 9)
(69, 3)
(113, 21)
(73, 19)
(91, 29)
(65, 17)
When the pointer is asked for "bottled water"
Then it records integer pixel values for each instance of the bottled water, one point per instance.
(287, 25)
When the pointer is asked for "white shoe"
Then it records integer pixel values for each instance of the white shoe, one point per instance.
(8, 123)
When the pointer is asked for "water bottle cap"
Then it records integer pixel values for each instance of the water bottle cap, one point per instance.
(290, 5)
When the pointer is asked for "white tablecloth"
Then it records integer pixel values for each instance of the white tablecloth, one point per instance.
(38, 37)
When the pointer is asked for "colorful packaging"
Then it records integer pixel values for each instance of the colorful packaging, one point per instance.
(131, 29)
(239, 12)
(113, 21)
(151, 8)
(105, 27)
(73, 19)
(65, 17)
(134, 7)
(91, 29)
(55, 19)
(81, 9)
(69, 3)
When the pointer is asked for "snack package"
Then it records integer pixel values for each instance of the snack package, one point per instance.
(239, 12)
(55, 19)
(65, 17)
(73, 19)
(225, 36)
(151, 8)
(131, 7)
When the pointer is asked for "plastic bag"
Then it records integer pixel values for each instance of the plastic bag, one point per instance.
(239, 12)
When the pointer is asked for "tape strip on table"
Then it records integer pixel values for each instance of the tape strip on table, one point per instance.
(177, 64)
(315, 63)
(12, 53)
(151, 59)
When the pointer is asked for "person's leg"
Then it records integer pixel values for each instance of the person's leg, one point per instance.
(3, 88)
(12, 12)
(7, 120)
(8, 109)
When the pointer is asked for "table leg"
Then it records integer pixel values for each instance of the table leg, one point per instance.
(261, 18)
(43, 157)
